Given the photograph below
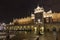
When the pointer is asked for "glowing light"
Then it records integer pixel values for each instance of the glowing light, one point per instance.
(42, 30)
(24, 26)
(28, 26)
(38, 20)
(35, 28)
(32, 16)
(38, 9)
(32, 26)
(50, 11)
(23, 20)
(3, 24)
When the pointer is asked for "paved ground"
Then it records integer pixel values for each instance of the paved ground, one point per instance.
(3, 35)
(31, 36)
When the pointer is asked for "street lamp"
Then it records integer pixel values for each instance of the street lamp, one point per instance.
(38, 20)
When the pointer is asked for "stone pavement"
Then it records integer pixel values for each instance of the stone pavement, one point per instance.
(32, 36)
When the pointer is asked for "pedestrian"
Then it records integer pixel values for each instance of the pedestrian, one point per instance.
(55, 33)
(37, 38)
(54, 30)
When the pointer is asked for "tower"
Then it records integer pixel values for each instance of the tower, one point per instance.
(38, 14)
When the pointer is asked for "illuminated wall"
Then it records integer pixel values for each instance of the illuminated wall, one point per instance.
(27, 20)
(55, 16)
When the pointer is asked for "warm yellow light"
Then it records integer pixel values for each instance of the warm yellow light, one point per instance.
(38, 9)
(23, 20)
(35, 28)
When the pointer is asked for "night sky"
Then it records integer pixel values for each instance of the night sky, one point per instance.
(10, 9)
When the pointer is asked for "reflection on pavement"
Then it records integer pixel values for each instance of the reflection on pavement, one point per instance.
(24, 35)
(33, 36)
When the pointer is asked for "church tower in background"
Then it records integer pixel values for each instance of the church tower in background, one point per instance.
(38, 14)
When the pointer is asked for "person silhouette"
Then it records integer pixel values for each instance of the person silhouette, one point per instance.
(54, 30)
(55, 33)
(37, 38)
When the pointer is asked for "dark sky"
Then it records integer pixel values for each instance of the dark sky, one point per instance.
(10, 9)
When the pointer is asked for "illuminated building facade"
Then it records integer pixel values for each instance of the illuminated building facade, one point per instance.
(38, 12)
(21, 21)
(38, 15)
(37, 18)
